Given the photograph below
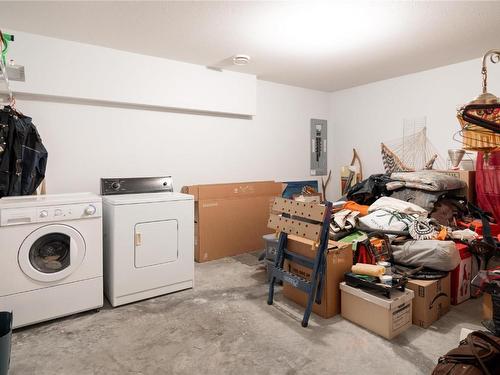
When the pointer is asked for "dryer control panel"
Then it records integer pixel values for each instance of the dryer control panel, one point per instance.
(136, 185)
(28, 215)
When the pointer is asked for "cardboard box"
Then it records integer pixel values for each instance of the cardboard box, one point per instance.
(487, 307)
(338, 262)
(469, 177)
(432, 300)
(386, 317)
(461, 276)
(231, 219)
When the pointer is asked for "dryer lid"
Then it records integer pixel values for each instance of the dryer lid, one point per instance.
(123, 199)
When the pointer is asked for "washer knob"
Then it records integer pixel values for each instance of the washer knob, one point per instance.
(115, 185)
(44, 213)
(90, 210)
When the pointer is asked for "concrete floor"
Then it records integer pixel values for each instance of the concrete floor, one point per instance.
(224, 326)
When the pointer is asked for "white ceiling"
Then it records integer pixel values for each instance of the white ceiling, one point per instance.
(316, 44)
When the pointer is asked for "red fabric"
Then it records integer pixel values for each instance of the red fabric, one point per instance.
(488, 183)
(364, 255)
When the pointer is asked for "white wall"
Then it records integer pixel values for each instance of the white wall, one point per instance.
(87, 142)
(101, 113)
(364, 116)
(64, 69)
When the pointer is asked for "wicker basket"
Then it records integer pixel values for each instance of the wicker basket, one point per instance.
(476, 138)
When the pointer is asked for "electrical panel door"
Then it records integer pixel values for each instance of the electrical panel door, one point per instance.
(318, 147)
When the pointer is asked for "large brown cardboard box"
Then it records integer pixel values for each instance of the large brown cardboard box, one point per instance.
(387, 317)
(338, 262)
(231, 219)
(432, 300)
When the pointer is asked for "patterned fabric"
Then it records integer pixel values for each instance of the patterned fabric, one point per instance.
(423, 229)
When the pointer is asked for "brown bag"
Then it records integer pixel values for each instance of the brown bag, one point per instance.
(478, 354)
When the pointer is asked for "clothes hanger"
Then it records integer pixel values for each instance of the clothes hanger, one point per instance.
(3, 71)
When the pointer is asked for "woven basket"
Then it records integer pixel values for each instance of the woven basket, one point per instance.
(476, 138)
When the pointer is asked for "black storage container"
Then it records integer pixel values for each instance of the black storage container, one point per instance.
(5, 341)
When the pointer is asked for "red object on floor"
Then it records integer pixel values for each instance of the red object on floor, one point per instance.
(477, 226)
(488, 183)
(461, 275)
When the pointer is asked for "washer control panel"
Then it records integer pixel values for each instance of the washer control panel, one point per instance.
(17, 216)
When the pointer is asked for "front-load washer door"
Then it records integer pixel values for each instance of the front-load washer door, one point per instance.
(155, 243)
(51, 253)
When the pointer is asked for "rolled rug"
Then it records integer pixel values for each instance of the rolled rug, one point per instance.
(368, 269)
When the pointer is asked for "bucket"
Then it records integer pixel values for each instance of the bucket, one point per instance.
(5, 341)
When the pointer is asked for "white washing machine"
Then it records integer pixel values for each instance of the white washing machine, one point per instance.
(50, 256)
(148, 239)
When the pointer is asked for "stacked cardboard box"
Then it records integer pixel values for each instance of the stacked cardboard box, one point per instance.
(432, 300)
(388, 317)
(338, 262)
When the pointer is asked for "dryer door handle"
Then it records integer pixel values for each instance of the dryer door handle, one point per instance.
(138, 239)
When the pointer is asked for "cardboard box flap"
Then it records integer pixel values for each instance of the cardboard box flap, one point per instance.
(299, 245)
(191, 190)
(397, 297)
(234, 190)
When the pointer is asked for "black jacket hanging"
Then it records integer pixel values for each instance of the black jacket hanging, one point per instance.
(24, 157)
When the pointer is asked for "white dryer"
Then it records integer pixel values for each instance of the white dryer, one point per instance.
(50, 256)
(148, 239)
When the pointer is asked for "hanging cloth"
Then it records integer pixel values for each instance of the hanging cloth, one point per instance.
(488, 183)
(23, 157)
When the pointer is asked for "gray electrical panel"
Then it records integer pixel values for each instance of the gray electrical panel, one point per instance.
(318, 147)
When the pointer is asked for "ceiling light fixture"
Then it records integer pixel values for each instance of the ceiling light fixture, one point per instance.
(241, 59)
